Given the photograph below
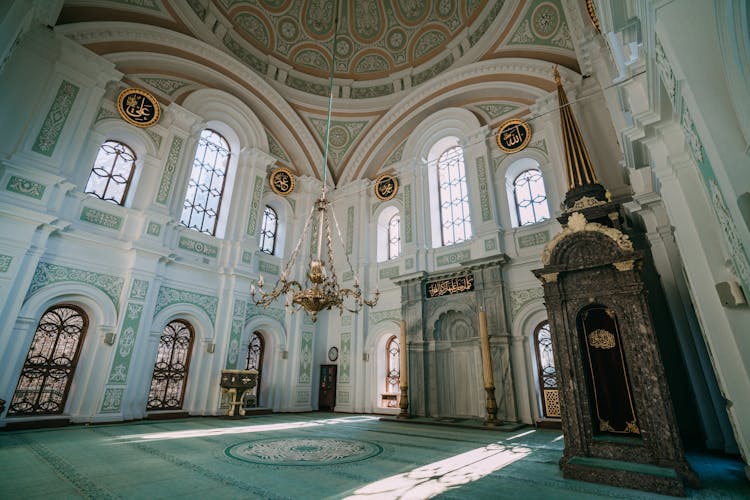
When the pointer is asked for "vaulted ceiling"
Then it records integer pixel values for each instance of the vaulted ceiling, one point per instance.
(387, 53)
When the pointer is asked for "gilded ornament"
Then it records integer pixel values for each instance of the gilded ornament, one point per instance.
(585, 202)
(386, 187)
(632, 427)
(282, 181)
(626, 265)
(576, 223)
(601, 339)
(138, 107)
(513, 135)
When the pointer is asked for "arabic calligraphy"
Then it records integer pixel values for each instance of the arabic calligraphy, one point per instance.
(450, 286)
(282, 181)
(513, 135)
(138, 107)
(386, 187)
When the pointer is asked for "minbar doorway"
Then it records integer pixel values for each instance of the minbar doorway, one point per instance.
(327, 393)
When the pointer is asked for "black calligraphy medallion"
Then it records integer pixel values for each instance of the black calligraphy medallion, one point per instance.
(282, 181)
(386, 187)
(138, 107)
(513, 135)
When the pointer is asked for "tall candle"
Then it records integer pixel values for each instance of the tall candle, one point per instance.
(403, 381)
(486, 361)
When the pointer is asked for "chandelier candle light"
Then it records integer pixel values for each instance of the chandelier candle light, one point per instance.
(321, 289)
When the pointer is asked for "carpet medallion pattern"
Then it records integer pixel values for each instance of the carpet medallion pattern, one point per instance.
(309, 451)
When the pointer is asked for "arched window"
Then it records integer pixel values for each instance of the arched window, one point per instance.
(547, 372)
(394, 237)
(455, 219)
(112, 172)
(206, 187)
(530, 197)
(268, 231)
(171, 367)
(393, 366)
(254, 361)
(50, 363)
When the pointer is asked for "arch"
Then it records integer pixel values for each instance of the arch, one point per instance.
(383, 231)
(376, 372)
(172, 366)
(285, 213)
(274, 336)
(546, 370)
(507, 171)
(50, 364)
(94, 354)
(524, 321)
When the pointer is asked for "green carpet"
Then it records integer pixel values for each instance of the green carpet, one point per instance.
(310, 455)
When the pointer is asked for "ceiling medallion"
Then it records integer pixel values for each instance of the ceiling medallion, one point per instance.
(282, 181)
(513, 135)
(386, 187)
(138, 107)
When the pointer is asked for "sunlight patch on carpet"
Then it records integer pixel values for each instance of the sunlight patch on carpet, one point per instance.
(438, 477)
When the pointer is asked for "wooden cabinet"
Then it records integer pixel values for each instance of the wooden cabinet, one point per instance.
(327, 392)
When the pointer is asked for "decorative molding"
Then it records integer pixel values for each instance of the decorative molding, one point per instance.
(453, 258)
(389, 272)
(247, 257)
(577, 222)
(407, 214)
(112, 399)
(196, 246)
(104, 219)
(533, 239)
(252, 223)
(388, 314)
(349, 230)
(53, 125)
(519, 298)
(47, 274)
(5, 261)
(169, 296)
(153, 228)
(305, 360)
(345, 358)
(128, 332)
(235, 333)
(165, 186)
(25, 187)
(409, 263)
(138, 289)
(484, 195)
(490, 244)
(268, 267)
(166, 85)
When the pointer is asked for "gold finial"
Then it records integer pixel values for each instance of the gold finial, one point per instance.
(557, 76)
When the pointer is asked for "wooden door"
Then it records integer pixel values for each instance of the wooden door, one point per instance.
(327, 393)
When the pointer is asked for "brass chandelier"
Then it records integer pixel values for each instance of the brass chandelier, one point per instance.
(320, 289)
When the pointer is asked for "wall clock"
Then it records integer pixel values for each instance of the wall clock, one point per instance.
(333, 353)
(138, 107)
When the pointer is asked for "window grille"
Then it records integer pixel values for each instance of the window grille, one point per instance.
(268, 231)
(171, 367)
(530, 197)
(394, 237)
(112, 172)
(455, 219)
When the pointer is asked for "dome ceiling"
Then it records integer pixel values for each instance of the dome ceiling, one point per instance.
(396, 62)
(376, 41)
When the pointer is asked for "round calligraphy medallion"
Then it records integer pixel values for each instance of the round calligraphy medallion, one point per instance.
(513, 135)
(138, 107)
(386, 187)
(282, 181)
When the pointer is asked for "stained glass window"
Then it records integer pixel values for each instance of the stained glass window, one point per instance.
(392, 356)
(206, 186)
(268, 231)
(547, 371)
(394, 237)
(455, 219)
(50, 363)
(112, 172)
(171, 367)
(530, 197)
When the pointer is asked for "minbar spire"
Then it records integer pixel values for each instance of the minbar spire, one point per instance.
(583, 185)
